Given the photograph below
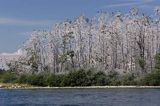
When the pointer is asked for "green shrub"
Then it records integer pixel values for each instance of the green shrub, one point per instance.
(76, 78)
(23, 79)
(151, 79)
(128, 79)
(8, 77)
(113, 78)
(38, 80)
(54, 80)
(100, 79)
(157, 61)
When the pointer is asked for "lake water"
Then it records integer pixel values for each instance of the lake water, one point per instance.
(80, 97)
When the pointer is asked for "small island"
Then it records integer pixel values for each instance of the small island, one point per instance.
(107, 51)
(79, 52)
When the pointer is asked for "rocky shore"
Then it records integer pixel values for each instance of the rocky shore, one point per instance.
(25, 86)
(13, 86)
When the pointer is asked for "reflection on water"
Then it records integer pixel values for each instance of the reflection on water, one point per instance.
(81, 97)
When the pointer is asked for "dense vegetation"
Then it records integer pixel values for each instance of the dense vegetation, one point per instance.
(122, 48)
(120, 42)
(152, 78)
(84, 78)
(74, 78)
(81, 78)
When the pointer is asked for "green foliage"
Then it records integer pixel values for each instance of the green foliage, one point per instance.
(76, 78)
(142, 63)
(81, 78)
(54, 80)
(151, 79)
(23, 79)
(8, 77)
(85, 77)
(100, 79)
(113, 78)
(128, 79)
(157, 61)
(35, 80)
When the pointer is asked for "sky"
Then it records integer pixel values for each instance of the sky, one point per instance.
(18, 18)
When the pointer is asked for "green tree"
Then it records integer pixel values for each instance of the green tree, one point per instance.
(157, 61)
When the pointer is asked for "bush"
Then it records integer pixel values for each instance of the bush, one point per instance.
(128, 79)
(113, 78)
(22, 79)
(54, 80)
(76, 78)
(151, 79)
(157, 61)
(100, 79)
(38, 80)
(8, 77)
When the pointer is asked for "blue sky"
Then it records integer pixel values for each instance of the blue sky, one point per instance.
(20, 17)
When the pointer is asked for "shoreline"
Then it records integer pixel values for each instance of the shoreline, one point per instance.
(25, 86)
(98, 87)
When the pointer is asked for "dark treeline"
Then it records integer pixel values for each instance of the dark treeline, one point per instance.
(74, 78)
(83, 77)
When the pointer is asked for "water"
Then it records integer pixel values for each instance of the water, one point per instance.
(80, 97)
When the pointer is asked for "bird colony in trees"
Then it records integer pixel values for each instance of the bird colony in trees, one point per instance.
(107, 42)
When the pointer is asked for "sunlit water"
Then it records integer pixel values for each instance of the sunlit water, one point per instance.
(80, 97)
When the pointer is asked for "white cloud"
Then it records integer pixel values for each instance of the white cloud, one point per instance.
(129, 3)
(18, 52)
(13, 21)
(7, 57)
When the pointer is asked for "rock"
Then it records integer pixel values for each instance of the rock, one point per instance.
(1, 86)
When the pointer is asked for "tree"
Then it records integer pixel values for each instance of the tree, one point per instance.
(106, 42)
(157, 61)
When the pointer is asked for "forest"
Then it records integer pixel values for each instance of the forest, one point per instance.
(108, 49)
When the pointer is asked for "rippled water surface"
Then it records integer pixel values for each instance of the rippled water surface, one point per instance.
(80, 97)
